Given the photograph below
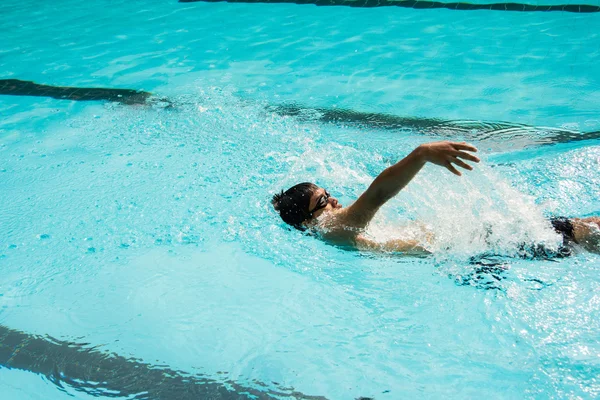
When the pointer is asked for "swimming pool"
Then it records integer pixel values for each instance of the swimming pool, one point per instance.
(140, 255)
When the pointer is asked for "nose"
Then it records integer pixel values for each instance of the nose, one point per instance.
(333, 201)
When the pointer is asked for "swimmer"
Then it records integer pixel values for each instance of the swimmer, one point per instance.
(307, 206)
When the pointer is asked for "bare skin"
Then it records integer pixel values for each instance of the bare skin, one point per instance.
(586, 232)
(345, 225)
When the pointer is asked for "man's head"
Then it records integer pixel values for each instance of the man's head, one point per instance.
(303, 202)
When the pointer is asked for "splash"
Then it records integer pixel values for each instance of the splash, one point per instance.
(478, 213)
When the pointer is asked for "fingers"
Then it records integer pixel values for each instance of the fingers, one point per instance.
(466, 156)
(452, 169)
(464, 146)
(462, 164)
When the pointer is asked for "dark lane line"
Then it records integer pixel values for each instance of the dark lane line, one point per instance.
(421, 5)
(481, 131)
(102, 374)
(466, 129)
(16, 87)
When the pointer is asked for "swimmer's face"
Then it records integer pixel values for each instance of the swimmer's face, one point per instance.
(321, 201)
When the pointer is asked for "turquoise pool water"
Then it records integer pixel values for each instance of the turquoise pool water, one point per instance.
(147, 231)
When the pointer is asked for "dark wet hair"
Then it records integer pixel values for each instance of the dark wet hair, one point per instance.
(293, 204)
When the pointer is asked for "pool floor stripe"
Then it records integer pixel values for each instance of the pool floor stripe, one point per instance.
(102, 374)
(17, 87)
(422, 5)
(465, 129)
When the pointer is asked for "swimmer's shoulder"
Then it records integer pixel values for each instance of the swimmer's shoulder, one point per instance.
(332, 228)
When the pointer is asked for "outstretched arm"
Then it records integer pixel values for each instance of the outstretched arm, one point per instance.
(396, 177)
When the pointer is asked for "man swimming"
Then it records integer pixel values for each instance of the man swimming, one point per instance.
(307, 206)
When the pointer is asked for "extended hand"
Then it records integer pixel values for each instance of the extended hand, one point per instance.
(446, 153)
